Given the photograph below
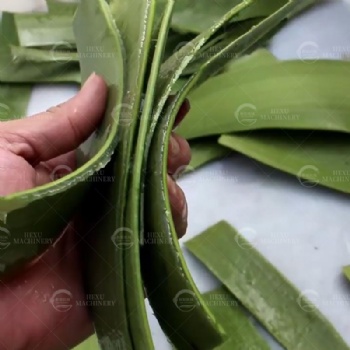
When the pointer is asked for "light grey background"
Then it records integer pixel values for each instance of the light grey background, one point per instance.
(305, 232)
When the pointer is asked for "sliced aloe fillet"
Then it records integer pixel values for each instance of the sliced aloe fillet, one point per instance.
(47, 209)
(315, 158)
(296, 95)
(346, 272)
(45, 29)
(198, 16)
(263, 290)
(205, 151)
(14, 101)
(164, 270)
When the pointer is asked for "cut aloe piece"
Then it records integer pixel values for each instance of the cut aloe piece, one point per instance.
(315, 158)
(198, 16)
(14, 101)
(346, 272)
(47, 209)
(205, 151)
(296, 95)
(45, 29)
(263, 290)
(240, 331)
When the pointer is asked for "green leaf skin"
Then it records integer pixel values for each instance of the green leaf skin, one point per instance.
(89, 344)
(205, 151)
(296, 95)
(164, 269)
(346, 272)
(263, 290)
(14, 101)
(196, 16)
(231, 315)
(315, 158)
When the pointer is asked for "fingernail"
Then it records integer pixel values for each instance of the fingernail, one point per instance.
(174, 147)
(89, 80)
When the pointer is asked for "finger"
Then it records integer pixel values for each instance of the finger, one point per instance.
(179, 155)
(184, 109)
(56, 168)
(60, 129)
(178, 207)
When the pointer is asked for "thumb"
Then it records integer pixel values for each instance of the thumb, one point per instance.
(60, 129)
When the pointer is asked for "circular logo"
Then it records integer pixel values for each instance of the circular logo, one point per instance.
(246, 114)
(309, 52)
(123, 238)
(124, 112)
(308, 176)
(4, 238)
(308, 300)
(61, 52)
(60, 171)
(249, 235)
(186, 300)
(61, 300)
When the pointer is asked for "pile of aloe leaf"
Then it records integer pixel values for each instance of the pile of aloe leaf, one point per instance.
(242, 98)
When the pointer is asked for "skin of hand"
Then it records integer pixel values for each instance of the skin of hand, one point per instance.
(29, 151)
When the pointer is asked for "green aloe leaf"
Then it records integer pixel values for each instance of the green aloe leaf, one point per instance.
(239, 328)
(346, 272)
(263, 290)
(205, 151)
(315, 158)
(14, 101)
(51, 29)
(89, 344)
(296, 95)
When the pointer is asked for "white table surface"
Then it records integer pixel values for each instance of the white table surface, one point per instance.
(305, 232)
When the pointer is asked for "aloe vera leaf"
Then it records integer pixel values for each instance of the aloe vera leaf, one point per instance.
(263, 290)
(134, 286)
(315, 158)
(296, 95)
(89, 344)
(14, 101)
(228, 311)
(197, 16)
(205, 151)
(164, 269)
(45, 29)
(103, 258)
(346, 272)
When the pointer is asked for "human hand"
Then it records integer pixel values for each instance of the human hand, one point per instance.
(30, 150)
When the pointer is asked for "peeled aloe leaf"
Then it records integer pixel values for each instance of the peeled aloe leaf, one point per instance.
(197, 16)
(45, 29)
(228, 311)
(14, 101)
(296, 95)
(205, 151)
(315, 158)
(346, 272)
(263, 290)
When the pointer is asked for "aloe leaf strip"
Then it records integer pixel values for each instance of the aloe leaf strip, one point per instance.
(263, 290)
(314, 158)
(241, 332)
(346, 272)
(163, 267)
(296, 95)
(134, 286)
